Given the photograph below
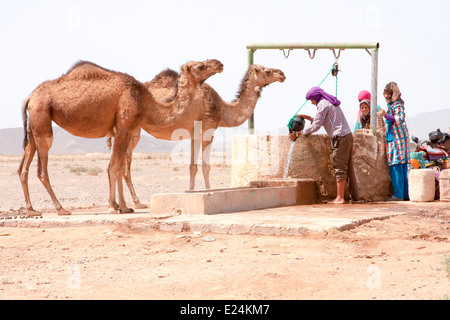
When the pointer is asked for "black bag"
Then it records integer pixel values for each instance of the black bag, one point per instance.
(445, 137)
(435, 136)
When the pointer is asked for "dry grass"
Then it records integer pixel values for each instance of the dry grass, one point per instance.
(79, 169)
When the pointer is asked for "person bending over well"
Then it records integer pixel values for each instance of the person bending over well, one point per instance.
(330, 116)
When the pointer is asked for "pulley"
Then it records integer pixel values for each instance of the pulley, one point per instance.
(335, 70)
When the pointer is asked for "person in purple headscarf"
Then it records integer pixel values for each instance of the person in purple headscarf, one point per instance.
(317, 94)
(330, 116)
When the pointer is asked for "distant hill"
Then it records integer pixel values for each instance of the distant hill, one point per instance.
(64, 143)
(422, 124)
(11, 141)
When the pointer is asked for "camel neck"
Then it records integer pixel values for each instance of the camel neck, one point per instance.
(238, 111)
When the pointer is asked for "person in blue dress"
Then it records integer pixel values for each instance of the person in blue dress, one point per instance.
(397, 141)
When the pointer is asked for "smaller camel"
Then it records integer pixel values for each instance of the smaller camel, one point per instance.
(92, 102)
(213, 112)
(208, 108)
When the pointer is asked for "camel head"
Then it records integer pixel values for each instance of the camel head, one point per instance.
(263, 76)
(200, 71)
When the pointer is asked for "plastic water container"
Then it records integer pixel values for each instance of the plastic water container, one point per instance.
(422, 185)
(444, 185)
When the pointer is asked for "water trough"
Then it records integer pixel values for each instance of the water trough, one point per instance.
(257, 195)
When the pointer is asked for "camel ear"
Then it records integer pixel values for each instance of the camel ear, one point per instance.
(255, 73)
(187, 68)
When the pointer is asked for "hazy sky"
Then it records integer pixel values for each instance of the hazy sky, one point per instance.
(42, 39)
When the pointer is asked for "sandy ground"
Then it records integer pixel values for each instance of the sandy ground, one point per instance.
(404, 257)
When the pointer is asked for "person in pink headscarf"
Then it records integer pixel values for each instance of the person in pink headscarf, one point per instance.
(363, 118)
(330, 116)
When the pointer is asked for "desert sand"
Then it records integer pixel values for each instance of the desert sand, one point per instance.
(404, 257)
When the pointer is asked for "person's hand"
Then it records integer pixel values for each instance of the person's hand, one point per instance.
(305, 116)
(294, 135)
(382, 112)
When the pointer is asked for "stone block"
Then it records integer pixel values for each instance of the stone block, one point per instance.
(306, 189)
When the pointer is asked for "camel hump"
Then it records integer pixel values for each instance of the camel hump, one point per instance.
(86, 65)
(164, 86)
(87, 70)
(166, 79)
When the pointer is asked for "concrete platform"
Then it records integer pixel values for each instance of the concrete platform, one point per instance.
(258, 195)
(285, 221)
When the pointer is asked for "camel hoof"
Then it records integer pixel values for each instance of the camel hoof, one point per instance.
(140, 206)
(32, 213)
(119, 211)
(112, 210)
(64, 212)
(127, 210)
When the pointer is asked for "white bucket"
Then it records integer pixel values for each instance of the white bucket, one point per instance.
(421, 185)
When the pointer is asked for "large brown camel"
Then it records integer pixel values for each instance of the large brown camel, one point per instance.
(93, 102)
(209, 110)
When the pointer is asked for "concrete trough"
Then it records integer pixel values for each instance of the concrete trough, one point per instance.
(258, 195)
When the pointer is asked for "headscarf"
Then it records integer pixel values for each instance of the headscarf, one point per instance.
(316, 93)
(394, 91)
(363, 95)
(365, 120)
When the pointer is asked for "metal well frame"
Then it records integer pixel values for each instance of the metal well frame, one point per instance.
(371, 47)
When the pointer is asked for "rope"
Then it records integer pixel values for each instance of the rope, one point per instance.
(336, 84)
(292, 119)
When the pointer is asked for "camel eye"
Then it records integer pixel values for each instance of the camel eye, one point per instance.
(268, 72)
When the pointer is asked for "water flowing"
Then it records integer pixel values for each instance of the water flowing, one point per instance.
(288, 160)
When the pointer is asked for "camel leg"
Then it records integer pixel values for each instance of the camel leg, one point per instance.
(206, 156)
(193, 167)
(24, 167)
(113, 207)
(116, 172)
(43, 144)
(127, 174)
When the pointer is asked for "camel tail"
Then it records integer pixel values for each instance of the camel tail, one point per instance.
(25, 122)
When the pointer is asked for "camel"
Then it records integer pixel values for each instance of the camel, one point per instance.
(92, 102)
(209, 109)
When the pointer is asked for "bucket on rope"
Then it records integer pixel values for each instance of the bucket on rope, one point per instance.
(298, 123)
